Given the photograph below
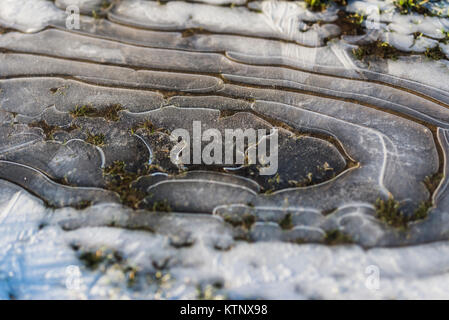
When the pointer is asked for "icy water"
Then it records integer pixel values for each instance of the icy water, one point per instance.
(92, 207)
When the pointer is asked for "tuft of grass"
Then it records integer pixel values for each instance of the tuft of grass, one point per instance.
(360, 53)
(95, 259)
(433, 181)
(435, 53)
(119, 180)
(355, 18)
(287, 222)
(131, 273)
(209, 292)
(336, 237)
(316, 5)
(246, 221)
(3, 30)
(110, 112)
(422, 211)
(161, 206)
(48, 129)
(376, 49)
(92, 259)
(96, 15)
(320, 5)
(105, 4)
(341, 2)
(96, 140)
(58, 90)
(303, 183)
(408, 6)
(117, 168)
(83, 204)
(389, 212)
(105, 258)
(82, 111)
(446, 36)
(149, 128)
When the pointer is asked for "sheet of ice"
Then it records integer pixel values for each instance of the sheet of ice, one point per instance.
(29, 15)
(410, 32)
(84, 6)
(376, 124)
(281, 20)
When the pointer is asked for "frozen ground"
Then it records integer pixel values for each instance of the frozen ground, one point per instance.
(92, 207)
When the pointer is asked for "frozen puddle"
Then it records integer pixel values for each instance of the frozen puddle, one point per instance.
(92, 207)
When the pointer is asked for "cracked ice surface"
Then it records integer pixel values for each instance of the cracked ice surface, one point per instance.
(74, 103)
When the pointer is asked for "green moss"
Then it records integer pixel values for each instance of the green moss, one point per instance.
(105, 258)
(316, 5)
(287, 222)
(246, 221)
(92, 259)
(96, 140)
(359, 53)
(341, 2)
(408, 6)
(83, 204)
(272, 183)
(149, 128)
(119, 180)
(355, 18)
(161, 206)
(96, 15)
(110, 112)
(434, 53)
(298, 241)
(433, 181)
(335, 237)
(319, 5)
(275, 180)
(58, 90)
(446, 36)
(49, 130)
(303, 183)
(4, 30)
(377, 49)
(422, 211)
(117, 168)
(209, 292)
(82, 111)
(131, 273)
(105, 4)
(389, 213)
(192, 31)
